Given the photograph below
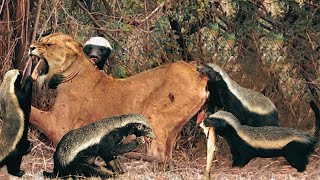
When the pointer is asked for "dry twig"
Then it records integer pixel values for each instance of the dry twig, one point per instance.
(97, 24)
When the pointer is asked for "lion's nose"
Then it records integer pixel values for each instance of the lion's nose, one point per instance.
(32, 48)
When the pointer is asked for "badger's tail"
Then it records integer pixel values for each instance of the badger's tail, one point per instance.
(316, 111)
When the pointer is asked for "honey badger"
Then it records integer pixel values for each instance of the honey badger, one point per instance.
(98, 50)
(15, 108)
(250, 107)
(248, 142)
(77, 150)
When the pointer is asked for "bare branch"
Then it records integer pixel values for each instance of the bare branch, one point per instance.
(2, 5)
(47, 21)
(98, 25)
(151, 14)
(36, 23)
(108, 7)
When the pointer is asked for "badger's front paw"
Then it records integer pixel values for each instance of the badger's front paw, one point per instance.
(18, 173)
(115, 166)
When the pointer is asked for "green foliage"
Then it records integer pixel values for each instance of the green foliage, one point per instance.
(120, 72)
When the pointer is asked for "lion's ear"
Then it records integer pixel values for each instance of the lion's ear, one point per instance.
(74, 46)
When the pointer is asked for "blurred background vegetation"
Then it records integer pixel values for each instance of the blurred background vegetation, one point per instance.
(271, 46)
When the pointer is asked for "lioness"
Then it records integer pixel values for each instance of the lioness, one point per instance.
(168, 95)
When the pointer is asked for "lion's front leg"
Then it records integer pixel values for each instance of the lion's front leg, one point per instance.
(43, 121)
(163, 145)
(159, 148)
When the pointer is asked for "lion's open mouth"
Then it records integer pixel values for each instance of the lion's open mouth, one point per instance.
(41, 68)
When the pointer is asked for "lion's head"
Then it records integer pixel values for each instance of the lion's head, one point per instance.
(56, 53)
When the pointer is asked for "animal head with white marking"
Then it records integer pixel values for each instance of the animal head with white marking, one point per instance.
(98, 49)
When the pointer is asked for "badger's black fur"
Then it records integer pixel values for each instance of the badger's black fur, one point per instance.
(250, 107)
(77, 150)
(248, 142)
(15, 111)
(98, 50)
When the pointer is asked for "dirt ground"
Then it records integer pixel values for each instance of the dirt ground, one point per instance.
(187, 165)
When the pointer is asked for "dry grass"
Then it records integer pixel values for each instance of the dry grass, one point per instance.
(189, 163)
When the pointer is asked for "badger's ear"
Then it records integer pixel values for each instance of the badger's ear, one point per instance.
(74, 46)
(139, 127)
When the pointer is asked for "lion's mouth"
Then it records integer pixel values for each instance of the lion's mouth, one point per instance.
(41, 67)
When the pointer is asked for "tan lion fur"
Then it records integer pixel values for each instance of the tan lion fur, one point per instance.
(168, 95)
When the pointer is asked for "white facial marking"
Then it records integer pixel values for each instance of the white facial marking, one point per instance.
(98, 41)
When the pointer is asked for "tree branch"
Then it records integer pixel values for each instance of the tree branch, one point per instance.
(98, 25)
(107, 6)
(36, 23)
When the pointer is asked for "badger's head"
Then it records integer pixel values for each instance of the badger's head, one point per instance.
(141, 129)
(213, 71)
(17, 79)
(13, 78)
(98, 50)
(222, 121)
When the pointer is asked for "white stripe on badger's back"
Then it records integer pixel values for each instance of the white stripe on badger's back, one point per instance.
(98, 41)
(259, 137)
(68, 155)
(244, 95)
(8, 94)
(283, 136)
(67, 148)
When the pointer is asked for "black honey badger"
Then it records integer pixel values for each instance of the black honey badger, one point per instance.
(248, 142)
(98, 49)
(77, 150)
(250, 107)
(15, 108)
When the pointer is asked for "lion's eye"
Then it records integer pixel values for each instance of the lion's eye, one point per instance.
(48, 44)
